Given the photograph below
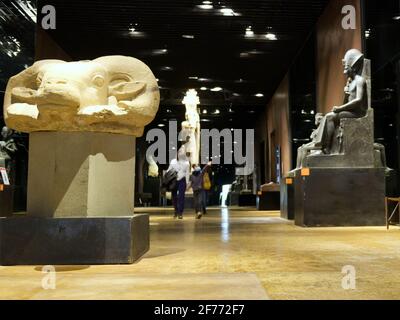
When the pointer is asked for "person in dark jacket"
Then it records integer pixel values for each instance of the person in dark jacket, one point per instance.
(196, 183)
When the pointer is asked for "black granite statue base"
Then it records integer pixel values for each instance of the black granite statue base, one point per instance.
(329, 197)
(66, 241)
(287, 199)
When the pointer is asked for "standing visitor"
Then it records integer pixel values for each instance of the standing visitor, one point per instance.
(182, 168)
(196, 182)
(207, 172)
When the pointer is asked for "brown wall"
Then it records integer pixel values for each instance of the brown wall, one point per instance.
(278, 128)
(332, 43)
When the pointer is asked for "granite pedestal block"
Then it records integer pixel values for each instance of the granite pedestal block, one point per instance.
(330, 197)
(269, 201)
(287, 200)
(73, 241)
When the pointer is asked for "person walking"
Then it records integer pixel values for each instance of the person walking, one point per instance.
(196, 182)
(206, 186)
(182, 168)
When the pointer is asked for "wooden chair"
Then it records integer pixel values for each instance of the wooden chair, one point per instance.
(397, 208)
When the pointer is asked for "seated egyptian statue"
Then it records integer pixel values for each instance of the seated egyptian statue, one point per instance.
(345, 136)
(113, 94)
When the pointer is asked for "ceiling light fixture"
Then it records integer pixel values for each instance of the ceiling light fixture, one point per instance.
(166, 68)
(217, 111)
(228, 12)
(216, 89)
(203, 88)
(259, 95)
(161, 125)
(188, 36)
(205, 111)
(205, 6)
(271, 36)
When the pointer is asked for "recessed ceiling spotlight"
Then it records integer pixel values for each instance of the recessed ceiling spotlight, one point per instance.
(203, 88)
(161, 125)
(228, 12)
(193, 78)
(166, 68)
(159, 51)
(188, 36)
(205, 111)
(205, 6)
(216, 89)
(205, 120)
(217, 111)
(207, 2)
(271, 36)
(259, 95)
(204, 80)
(396, 18)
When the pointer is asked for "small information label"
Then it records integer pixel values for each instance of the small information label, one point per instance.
(4, 176)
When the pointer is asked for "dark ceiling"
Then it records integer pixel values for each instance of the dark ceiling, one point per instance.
(191, 44)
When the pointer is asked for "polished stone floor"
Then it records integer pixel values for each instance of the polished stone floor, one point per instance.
(230, 254)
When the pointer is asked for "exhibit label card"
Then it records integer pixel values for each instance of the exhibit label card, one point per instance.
(4, 176)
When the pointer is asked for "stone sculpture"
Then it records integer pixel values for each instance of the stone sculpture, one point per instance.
(7, 147)
(308, 148)
(345, 136)
(83, 118)
(153, 167)
(340, 175)
(114, 94)
(191, 127)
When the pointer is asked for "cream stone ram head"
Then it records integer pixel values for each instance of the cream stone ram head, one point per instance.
(114, 94)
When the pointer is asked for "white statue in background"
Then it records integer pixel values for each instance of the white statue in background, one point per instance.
(191, 127)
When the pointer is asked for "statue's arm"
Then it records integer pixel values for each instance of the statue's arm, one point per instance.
(355, 104)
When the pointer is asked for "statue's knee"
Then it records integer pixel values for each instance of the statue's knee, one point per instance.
(331, 116)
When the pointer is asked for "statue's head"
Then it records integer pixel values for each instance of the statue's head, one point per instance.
(115, 94)
(352, 61)
(6, 132)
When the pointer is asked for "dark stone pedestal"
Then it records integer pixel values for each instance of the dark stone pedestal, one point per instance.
(6, 201)
(269, 201)
(340, 197)
(287, 199)
(247, 200)
(66, 241)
